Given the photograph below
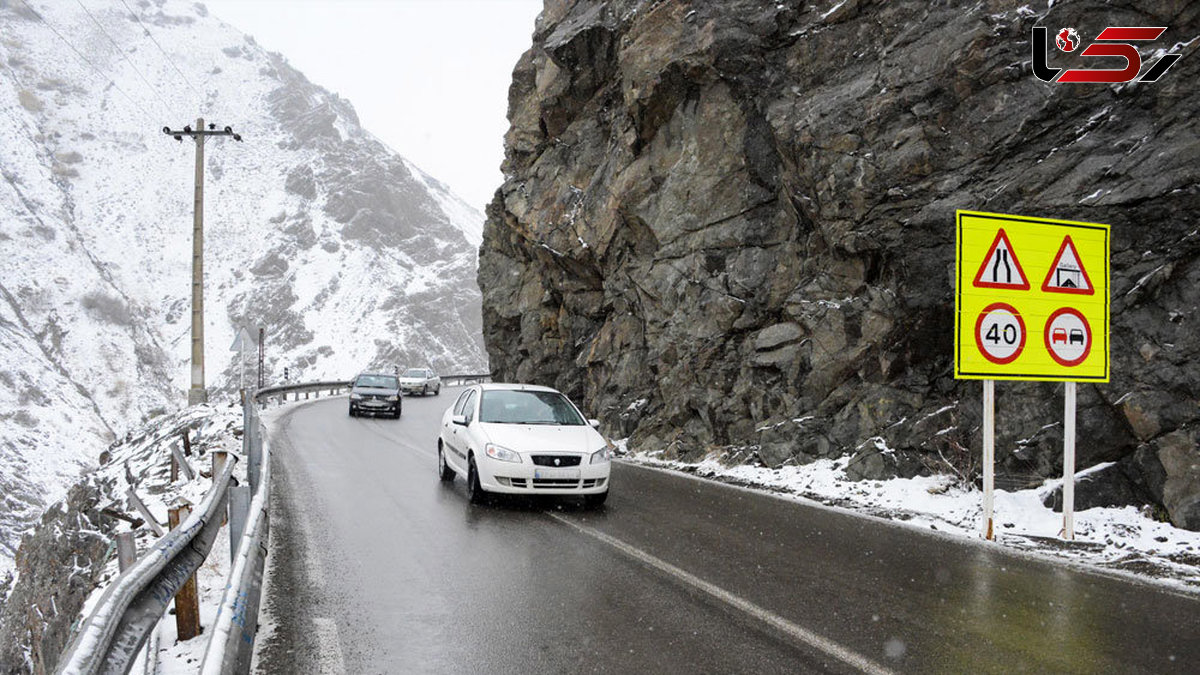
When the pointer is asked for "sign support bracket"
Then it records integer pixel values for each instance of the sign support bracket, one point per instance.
(989, 456)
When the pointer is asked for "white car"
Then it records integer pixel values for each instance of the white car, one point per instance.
(523, 439)
(422, 380)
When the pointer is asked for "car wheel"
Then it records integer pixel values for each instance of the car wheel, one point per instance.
(352, 413)
(444, 470)
(475, 493)
(438, 391)
(595, 501)
(396, 416)
(425, 390)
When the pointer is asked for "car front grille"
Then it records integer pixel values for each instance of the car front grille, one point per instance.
(551, 483)
(556, 460)
(555, 482)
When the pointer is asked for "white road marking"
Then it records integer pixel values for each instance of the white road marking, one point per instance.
(316, 570)
(800, 633)
(329, 647)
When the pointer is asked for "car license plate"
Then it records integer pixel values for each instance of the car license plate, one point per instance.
(556, 473)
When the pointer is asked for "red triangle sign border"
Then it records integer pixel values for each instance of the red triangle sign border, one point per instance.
(1047, 288)
(1001, 235)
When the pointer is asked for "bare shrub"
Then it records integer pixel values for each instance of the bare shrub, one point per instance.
(29, 101)
(106, 307)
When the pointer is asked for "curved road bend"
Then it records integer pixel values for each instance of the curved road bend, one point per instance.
(377, 567)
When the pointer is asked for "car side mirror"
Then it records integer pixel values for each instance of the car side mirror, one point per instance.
(460, 420)
(595, 423)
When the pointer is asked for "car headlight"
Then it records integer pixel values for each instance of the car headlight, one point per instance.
(356, 397)
(393, 398)
(603, 454)
(501, 453)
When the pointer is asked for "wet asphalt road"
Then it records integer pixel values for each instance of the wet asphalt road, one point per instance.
(377, 567)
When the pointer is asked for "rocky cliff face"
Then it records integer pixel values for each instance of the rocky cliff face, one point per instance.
(730, 227)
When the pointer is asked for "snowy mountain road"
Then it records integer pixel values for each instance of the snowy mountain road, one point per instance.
(377, 567)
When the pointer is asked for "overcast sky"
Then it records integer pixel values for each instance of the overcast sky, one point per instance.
(428, 77)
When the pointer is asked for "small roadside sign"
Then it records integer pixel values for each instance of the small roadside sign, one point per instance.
(1009, 329)
(242, 341)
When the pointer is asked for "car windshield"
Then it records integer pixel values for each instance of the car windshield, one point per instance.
(377, 381)
(528, 407)
(414, 372)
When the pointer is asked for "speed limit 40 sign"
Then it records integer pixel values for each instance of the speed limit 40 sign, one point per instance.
(1031, 301)
(1000, 333)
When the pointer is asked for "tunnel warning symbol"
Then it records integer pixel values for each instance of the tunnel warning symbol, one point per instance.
(1000, 268)
(1067, 274)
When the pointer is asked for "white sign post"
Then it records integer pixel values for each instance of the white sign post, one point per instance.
(989, 456)
(1068, 490)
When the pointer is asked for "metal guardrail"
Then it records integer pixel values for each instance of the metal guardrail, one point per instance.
(281, 392)
(468, 378)
(231, 645)
(113, 634)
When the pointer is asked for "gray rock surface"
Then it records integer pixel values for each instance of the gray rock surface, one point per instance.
(58, 566)
(742, 214)
(1135, 480)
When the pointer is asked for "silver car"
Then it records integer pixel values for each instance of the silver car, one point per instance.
(421, 381)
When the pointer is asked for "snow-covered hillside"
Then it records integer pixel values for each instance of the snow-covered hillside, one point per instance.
(348, 255)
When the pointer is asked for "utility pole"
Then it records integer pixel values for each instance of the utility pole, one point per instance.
(197, 393)
(261, 338)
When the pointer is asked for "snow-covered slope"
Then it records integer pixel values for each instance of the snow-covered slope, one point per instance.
(348, 255)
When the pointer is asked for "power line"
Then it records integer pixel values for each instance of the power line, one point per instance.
(166, 106)
(147, 33)
(88, 61)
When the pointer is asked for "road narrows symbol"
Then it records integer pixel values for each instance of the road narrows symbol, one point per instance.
(1000, 333)
(1068, 337)
(1067, 274)
(1000, 268)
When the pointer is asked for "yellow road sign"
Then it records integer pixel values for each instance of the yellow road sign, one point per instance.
(1031, 301)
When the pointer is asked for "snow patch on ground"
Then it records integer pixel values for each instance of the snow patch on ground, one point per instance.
(1124, 540)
